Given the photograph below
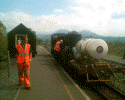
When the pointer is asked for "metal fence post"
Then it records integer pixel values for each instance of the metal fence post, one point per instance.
(8, 63)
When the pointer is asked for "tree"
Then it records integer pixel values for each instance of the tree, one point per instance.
(39, 41)
(3, 29)
(3, 42)
(32, 31)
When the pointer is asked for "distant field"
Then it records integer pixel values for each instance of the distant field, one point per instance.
(116, 48)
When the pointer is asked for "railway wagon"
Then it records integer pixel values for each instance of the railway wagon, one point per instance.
(86, 57)
(67, 45)
(14, 38)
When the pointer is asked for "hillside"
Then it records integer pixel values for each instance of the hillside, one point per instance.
(84, 33)
(61, 31)
(43, 36)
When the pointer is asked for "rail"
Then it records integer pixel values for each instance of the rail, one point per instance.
(106, 92)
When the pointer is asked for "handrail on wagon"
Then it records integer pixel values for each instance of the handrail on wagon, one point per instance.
(95, 71)
(102, 79)
(112, 72)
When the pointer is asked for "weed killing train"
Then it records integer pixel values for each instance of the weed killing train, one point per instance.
(86, 56)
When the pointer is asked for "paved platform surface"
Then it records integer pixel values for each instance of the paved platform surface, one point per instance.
(48, 82)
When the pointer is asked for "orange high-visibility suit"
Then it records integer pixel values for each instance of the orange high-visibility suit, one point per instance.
(23, 62)
(57, 51)
(57, 47)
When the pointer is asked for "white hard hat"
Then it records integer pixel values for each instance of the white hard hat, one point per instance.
(61, 40)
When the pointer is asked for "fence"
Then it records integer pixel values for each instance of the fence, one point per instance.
(6, 64)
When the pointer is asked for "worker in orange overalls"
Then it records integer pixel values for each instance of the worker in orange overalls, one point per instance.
(24, 56)
(57, 50)
(57, 47)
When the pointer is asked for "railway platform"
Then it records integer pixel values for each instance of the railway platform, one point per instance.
(49, 81)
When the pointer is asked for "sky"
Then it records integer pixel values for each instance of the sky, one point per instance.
(103, 17)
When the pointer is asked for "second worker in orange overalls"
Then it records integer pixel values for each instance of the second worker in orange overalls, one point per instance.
(57, 50)
(24, 55)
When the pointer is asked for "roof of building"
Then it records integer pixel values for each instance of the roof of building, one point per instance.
(20, 29)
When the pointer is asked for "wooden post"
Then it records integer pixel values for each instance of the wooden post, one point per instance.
(8, 63)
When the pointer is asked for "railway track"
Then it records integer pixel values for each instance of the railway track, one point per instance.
(103, 90)
(106, 92)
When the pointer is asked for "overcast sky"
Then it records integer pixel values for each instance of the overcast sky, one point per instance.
(104, 17)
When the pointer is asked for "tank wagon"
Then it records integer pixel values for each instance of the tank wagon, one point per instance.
(86, 56)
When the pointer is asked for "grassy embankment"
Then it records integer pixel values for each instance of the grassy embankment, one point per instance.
(116, 48)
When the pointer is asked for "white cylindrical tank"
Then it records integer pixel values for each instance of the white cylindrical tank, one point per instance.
(96, 48)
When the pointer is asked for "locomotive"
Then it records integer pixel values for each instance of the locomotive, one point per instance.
(85, 56)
